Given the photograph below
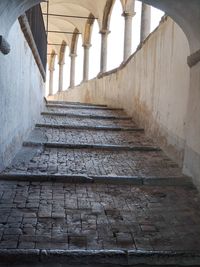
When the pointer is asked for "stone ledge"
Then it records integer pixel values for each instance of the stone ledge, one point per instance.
(86, 116)
(91, 146)
(83, 127)
(99, 257)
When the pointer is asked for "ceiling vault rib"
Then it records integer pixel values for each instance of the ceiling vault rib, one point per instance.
(66, 16)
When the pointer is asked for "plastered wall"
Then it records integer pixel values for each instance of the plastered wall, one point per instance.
(21, 95)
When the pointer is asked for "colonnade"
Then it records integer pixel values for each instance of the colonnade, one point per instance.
(128, 17)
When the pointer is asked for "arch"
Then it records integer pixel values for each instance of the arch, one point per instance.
(107, 14)
(74, 42)
(52, 60)
(11, 10)
(186, 14)
(180, 11)
(61, 58)
(88, 30)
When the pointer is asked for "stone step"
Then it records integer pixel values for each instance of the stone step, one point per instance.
(90, 224)
(81, 107)
(98, 258)
(149, 165)
(88, 112)
(49, 119)
(79, 136)
(91, 146)
(74, 103)
(98, 117)
(84, 127)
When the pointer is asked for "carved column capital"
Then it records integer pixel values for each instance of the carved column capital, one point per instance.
(128, 14)
(104, 31)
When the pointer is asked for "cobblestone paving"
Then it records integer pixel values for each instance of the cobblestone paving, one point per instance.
(86, 122)
(98, 162)
(98, 112)
(66, 216)
(46, 215)
(96, 137)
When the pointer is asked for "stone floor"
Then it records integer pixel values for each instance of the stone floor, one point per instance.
(71, 216)
(96, 216)
(97, 162)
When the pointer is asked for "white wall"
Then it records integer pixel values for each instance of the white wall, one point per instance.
(159, 91)
(21, 89)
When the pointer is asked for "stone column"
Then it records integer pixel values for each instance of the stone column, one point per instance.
(51, 72)
(86, 48)
(72, 70)
(127, 34)
(104, 47)
(145, 22)
(60, 83)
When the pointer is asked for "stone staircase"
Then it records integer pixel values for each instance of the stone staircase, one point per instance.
(90, 188)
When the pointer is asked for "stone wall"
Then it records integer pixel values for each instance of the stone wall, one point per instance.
(22, 90)
(155, 87)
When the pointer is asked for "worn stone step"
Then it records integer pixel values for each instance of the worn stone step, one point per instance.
(94, 163)
(93, 112)
(85, 121)
(84, 127)
(78, 136)
(92, 146)
(74, 103)
(81, 107)
(98, 117)
(98, 258)
(85, 219)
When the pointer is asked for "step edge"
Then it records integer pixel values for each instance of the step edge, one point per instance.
(91, 146)
(112, 256)
(64, 126)
(82, 107)
(73, 178)
(44, 113)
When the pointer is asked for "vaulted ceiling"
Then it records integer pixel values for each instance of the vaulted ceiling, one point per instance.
(65, 20)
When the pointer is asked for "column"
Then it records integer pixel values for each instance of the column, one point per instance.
(104, 48)
(86, 48)
(60, 84)
(145, 22)
(51, 72)
(72, 70)
(128, 16)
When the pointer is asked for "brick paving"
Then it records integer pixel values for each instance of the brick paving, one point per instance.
(97, 162)
(74, 216)
(55, 215)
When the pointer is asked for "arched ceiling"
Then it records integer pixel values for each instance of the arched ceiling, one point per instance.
(64, 16)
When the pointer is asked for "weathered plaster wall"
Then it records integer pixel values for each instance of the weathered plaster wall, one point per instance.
(21, 99)
(157, 88)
